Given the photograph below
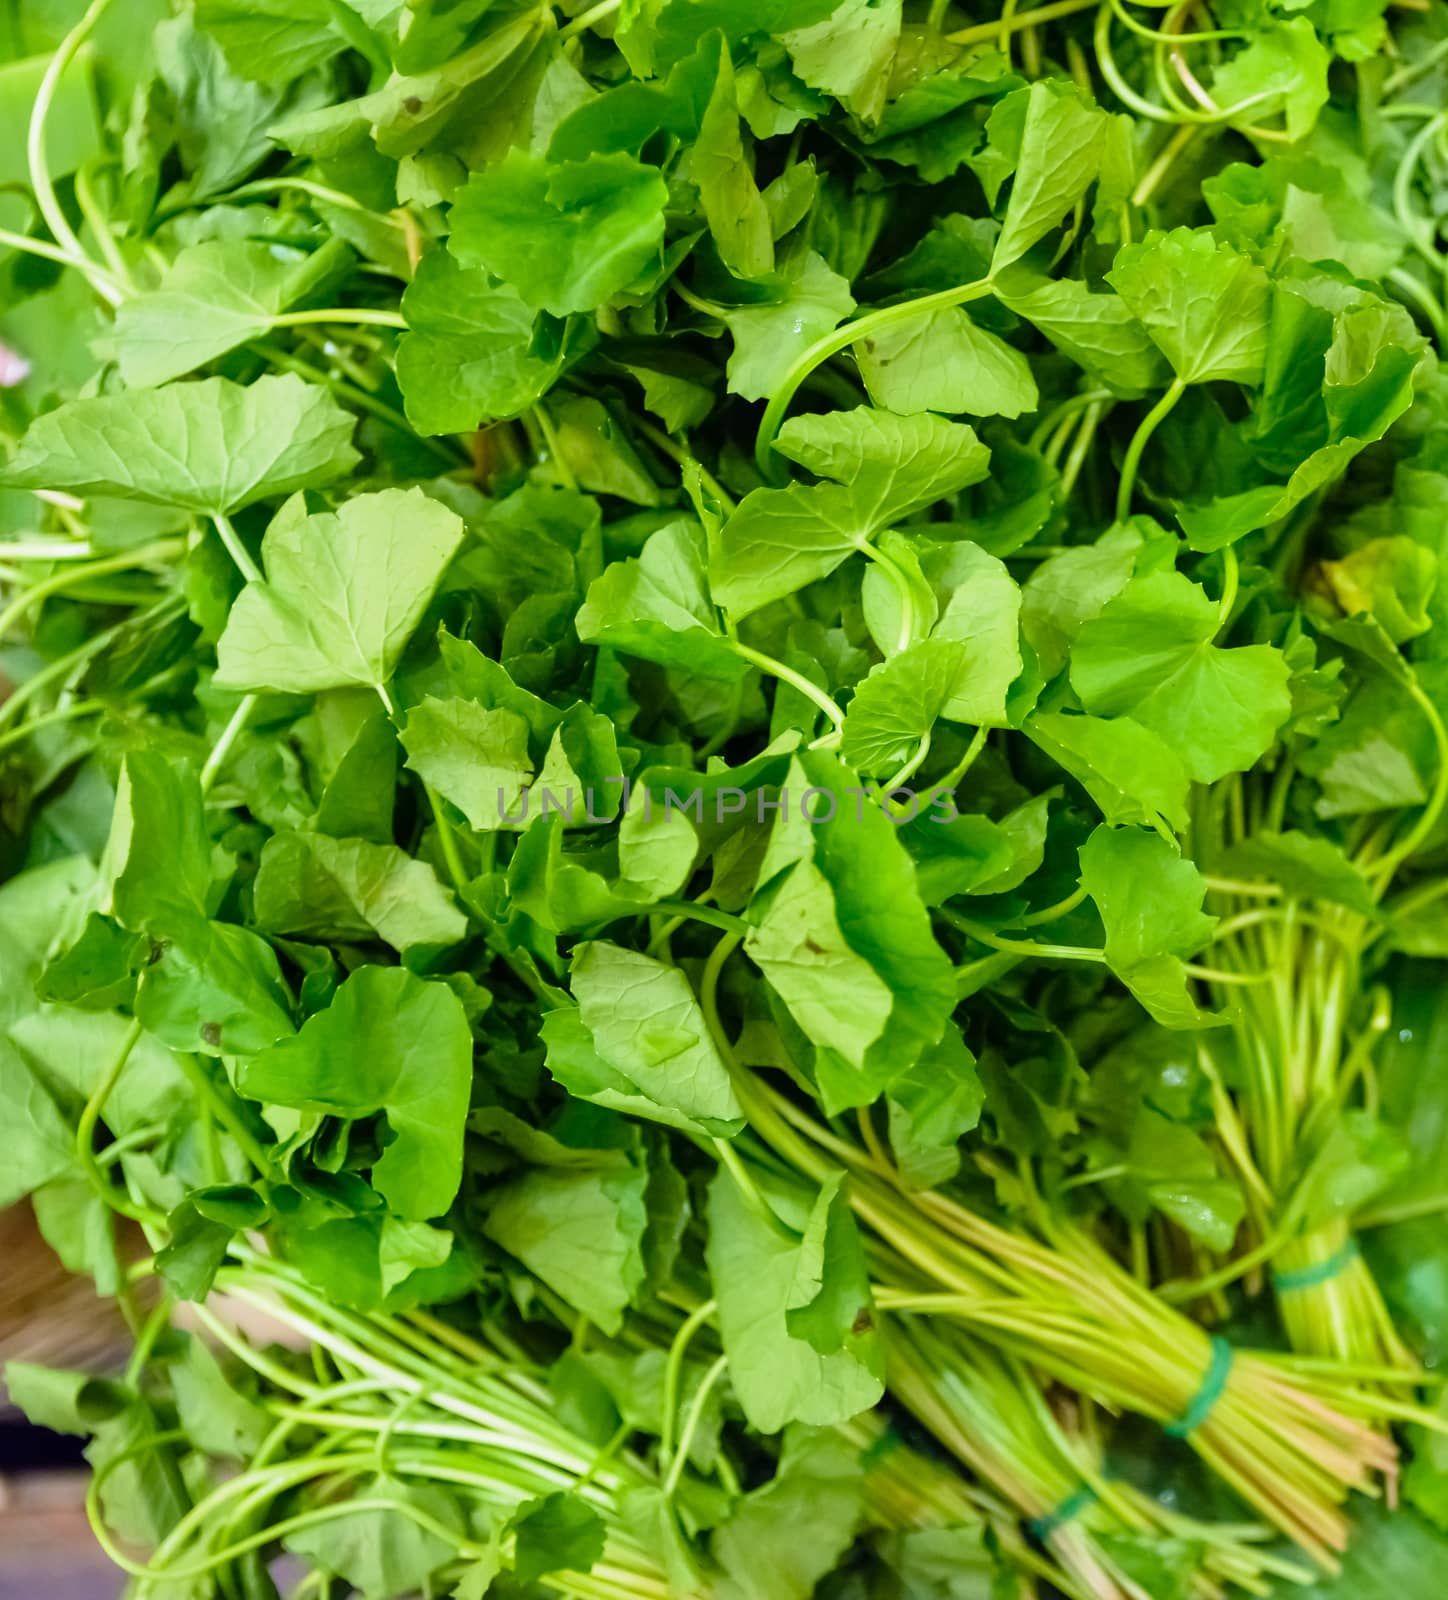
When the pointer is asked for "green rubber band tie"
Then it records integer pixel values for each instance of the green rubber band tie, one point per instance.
(1069, 1509)
(1319, 1272)
(1219, 1369)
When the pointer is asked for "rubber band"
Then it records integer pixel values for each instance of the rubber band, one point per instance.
(1318, 1272)
(1041, 1528)
(1214, 1384)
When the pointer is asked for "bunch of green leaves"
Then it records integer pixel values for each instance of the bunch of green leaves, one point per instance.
(572, 575)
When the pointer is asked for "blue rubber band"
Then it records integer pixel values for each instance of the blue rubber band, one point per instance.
(1319, 1272)
(1069, 1509)
(1214, 1384)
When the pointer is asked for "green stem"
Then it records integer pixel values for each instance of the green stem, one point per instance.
(99, 279)
(796, 680)
(161, 551)
(225, 1113)
(831, 344)
(911, 767)
(100, 225)
(691, 1425)
(723, 920)
(1147, 426)
(1055, 912)
(229, 735)
(40, 180)
(49, 719)
(984, 32)
(1437, 800)
(555, 451)
(361, 316)
(586, 19)
(75, 659)
(952, 779)
(236, 549)
(673, 1370)
(1022, 947)
(85, 1136)
(900, 582)
(1231, 577)
(751, 1194)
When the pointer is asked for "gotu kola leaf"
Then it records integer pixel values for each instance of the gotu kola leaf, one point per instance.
(388, 1042)
(342, 595)
(209, 447)
(886, 467)
(568, 235)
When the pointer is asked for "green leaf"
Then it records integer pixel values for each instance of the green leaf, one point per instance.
(979, 608)
(1151, 654)
(829, 1300)
(41, 1144)
(473, 353)
(1359, 1159)
(567, 235)
(97, 971)
(931, 1108)
(272, 41)
(1391, 579)
(1304, 866)
(843, 936)
(158, 856)
(475, 756)
(1150, 901)
(409, 1247)
(1097, 331)
(213, 988)
(849, 54)
(389, 1042)
(558, 1533)
(897, 465)
(1281, 68)
(776, 1377)
(783, 1538)
(737, 215)
(213, 446)
(213, 297)
(384, 1553)
(657, 606)
(580, 1231)
(1169, 1169)
(1072, 586)
(778, 540)
(193, 1253)
(64, 1402)
(942, 361)
(1059, 153)
(342, 595)
(1204, 305)
(342, 890)
(217, 1417)
(644, 1022)
(770, 336)
(1133, 774)
(899, 703)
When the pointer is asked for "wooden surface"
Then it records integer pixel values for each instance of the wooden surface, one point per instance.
(47, 1551)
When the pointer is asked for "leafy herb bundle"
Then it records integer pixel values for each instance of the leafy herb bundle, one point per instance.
(724, 762)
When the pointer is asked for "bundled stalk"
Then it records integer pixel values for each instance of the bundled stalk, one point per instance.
(991, 1414)
(1301, 1049)
(394, 1410)
(1067, 1309)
